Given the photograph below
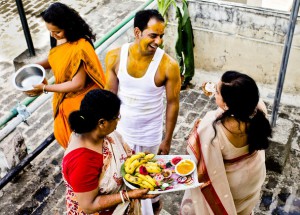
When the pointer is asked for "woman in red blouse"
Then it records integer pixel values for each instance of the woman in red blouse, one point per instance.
(92, 162)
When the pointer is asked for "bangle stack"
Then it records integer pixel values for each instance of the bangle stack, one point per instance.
(124, 196)
(44, 91)
(127, 196)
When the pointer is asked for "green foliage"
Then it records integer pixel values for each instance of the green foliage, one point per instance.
(163, 6)
(123, 172)
(185, 41)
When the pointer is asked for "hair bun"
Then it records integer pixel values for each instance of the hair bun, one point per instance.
(76, 120)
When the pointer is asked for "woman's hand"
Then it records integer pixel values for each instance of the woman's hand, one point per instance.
(92, 202)
(140, 194)
(262, 106)
(37, 89)
(34, 92)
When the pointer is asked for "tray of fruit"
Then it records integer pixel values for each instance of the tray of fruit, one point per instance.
(160, 173)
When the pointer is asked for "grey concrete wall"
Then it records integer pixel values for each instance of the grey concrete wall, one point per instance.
(248, 2)
(237, 1)
(230, 36)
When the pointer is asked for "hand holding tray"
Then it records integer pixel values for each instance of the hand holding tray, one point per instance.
(169, 180)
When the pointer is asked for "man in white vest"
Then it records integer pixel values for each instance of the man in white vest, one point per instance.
(140, 73)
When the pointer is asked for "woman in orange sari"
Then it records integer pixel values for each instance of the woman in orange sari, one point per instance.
(228, 145)
(74, 63)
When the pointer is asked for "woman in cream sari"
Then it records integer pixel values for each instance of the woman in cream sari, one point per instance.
(92, 162)
(74, 63)
(228, 146)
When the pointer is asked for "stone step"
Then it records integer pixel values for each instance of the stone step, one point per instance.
(280, 145)
(34, 184)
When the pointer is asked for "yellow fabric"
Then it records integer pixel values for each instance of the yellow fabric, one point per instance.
(65, 60)
(62, 130)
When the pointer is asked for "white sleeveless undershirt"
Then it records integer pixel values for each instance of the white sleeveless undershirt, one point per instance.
(142, 103)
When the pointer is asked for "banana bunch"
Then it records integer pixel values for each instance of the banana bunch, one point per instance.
(152, 168)
(134, 161)
(132, 166)
(133, 179)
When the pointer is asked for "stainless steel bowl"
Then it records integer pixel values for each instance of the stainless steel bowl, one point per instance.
(27, 76)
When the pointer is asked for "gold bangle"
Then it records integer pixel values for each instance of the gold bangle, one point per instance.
(45, 91)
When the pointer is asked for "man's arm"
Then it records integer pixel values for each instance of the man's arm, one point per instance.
(112, 59)
(172, 86)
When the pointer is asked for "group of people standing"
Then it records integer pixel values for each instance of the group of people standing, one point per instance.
(101, 119)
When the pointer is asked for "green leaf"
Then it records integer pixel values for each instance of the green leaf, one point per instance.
(123, 172)
(163, 6)
(185, 42)
(184, 46)
(186, 14)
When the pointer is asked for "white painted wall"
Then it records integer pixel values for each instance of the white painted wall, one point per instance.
(284, 5)
(257, 3)
(278, 4)
(232, 36)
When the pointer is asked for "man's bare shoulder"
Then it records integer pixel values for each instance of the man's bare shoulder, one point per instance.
(114, 52)
(169, 63)
(170, 70)
(112, 58)
(169, 60)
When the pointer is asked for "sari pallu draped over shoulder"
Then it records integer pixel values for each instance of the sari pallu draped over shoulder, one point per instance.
(65, 60)
(115, 152)
(214, 196)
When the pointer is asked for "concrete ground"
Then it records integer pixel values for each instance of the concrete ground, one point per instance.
(39, 188)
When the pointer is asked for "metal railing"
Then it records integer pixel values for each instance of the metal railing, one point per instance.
(25, 27)
(19, 167)
(27, 101)
(284, 61)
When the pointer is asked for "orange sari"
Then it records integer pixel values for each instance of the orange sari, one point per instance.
(65, 60)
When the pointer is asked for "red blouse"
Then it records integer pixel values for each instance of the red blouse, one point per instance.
(82, 168)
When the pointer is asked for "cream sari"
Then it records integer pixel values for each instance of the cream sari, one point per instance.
(215, 195)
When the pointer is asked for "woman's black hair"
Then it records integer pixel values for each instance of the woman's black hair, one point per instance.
(70, 21)
(97, 104)
(241, 95)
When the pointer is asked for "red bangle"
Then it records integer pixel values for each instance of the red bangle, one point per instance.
(124, 196)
